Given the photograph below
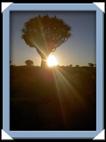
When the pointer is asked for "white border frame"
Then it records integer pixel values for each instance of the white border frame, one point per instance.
(6, 8)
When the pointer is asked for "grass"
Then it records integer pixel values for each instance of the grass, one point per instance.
(63, 98)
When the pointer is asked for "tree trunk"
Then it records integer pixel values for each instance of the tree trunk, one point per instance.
(43, 64)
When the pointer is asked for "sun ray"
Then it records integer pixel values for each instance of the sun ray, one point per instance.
(71, 85)
(66, 93)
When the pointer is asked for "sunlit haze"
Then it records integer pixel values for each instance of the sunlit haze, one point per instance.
(52, 61)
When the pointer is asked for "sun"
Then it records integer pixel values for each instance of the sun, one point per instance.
(52, 61)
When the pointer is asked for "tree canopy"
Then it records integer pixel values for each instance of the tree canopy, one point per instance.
(45, 34)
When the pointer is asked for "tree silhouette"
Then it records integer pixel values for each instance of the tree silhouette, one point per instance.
(29, 62)
(90, 64)
(45, 34)
(70, 65)
(77, 66)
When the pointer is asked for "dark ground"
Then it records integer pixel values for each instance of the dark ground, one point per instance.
(36, 104)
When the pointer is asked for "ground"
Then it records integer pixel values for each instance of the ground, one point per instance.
(62, 98)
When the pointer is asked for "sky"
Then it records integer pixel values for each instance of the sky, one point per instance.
(79, 49)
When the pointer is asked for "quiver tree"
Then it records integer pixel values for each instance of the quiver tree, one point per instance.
(29, 62)
(45, 34)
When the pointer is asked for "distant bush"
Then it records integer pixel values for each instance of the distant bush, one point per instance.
(90, 64)
(77, 66)
(29, 62)
(70, 65)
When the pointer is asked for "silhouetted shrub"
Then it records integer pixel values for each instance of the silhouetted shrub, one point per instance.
(90, 64)
(29, 62)
(77, 66)
(70, 65)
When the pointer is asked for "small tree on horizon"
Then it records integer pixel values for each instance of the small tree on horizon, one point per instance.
(70, 65)
(77, 66)
(45, 34)
(29, 62)
(90, 64)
